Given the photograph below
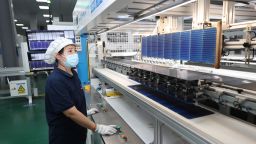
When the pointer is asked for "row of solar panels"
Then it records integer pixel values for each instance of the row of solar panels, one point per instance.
(193, 45)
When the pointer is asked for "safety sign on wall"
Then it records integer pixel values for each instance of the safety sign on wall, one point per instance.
(18, 88)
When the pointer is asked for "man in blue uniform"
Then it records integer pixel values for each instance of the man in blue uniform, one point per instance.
(65, 103)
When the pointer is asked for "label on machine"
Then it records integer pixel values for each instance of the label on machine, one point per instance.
(18, 88)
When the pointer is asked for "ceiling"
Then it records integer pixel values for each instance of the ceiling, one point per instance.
(27, 10)
(136, 9)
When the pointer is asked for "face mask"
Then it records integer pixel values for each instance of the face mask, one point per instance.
(71, 60)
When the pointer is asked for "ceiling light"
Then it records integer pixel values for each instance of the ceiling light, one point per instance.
(46, 15)
(19, 24)
(42, 0)
(44, 7)
(123, 16)
(240, 4)
(15, 20)
(46, 1)
(47, 21)
(25, 28)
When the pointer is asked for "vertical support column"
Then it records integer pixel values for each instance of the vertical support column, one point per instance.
(158, 132)
(33, 22)
(228, 13)
(83, 65)
(8, 41)
(176, 24)
(200, 13)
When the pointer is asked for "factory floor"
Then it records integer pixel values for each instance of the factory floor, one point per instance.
(21, 124)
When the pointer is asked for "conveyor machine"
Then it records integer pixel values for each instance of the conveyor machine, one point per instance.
(196, 73)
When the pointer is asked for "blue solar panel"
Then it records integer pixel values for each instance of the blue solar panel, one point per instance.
(176, 46)
(168, 46)
(196, 45)
(185, 45)
(149, 45)
(154, 48)
(161, 46)
(209, 47)
(144, 46)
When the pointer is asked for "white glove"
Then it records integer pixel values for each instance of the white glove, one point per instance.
(106, 129)
(92, 111)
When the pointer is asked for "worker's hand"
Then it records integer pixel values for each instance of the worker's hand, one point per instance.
(92, 111)
(106, 129)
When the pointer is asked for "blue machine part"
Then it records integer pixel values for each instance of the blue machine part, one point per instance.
(185, 45)
(154, 48)
(196, 45)
(209, 46)
(144, 46)
(161, 46)
(168, 46)
(176, 46)
(83, 65)
(149, 45)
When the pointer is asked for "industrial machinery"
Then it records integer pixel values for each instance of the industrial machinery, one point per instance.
(198, 79)
(191, 83)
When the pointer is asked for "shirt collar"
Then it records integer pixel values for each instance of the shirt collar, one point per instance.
(64, 73)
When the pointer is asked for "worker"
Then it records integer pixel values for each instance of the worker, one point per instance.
(65, 103)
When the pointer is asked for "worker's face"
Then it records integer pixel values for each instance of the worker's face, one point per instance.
(68, 50)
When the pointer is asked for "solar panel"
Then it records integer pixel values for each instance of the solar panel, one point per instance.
(144, 46)
(149, 45)
(185, 45)
(161, 46)
(209, 47)
(154, 47)
(168, 46)
(196, 45)
(176, 46)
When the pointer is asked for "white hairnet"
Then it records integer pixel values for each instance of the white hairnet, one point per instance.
(55, 47)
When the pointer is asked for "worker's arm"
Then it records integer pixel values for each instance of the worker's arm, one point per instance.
(79, 118)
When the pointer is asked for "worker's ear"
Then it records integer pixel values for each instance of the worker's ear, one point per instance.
(59, 57)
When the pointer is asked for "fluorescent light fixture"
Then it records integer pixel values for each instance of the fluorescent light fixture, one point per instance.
(15, 20)
(123, 16)
(42, 0)
(46, 15)
(44, 7)
(139, 19)
(25, 28)
(19, 24)
(45, 1)
(47, 21)
(240, 4)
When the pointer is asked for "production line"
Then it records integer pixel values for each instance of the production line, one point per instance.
(192, 95)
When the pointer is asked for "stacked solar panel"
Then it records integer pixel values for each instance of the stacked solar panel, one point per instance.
(144, 46)
(185, 45)
(176, 46)
(161, 46)
(154, 48)
(209, 39)
(168, 46)
(195, 46)
(149, 45)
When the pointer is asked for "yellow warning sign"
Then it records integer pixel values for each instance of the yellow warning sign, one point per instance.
(21, 90)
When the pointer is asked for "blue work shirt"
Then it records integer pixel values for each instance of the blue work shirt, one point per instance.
(62, 92)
